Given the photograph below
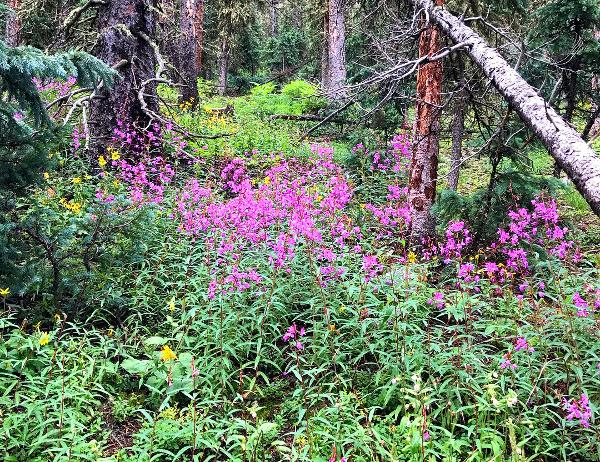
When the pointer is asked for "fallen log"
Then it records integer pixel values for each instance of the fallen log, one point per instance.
(311, 118)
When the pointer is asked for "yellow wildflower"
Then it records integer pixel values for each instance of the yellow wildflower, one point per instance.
(115, 155)
(172, 305)
(111, 332)
(57, 317)
(5, 292)
(76, 180)
(167, 354)
(46, 175)
(342, 308)
(267, 180)
(44, 338)
(332, 327)
(102, 161)
(412, 257)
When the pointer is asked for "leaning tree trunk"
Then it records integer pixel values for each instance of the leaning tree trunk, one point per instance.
(458, 128)
(426, 138)
(223, 66)
(187, 52)
(199, 30)
(578, 160)
(12, 31)
(127, 31)
(337, 50)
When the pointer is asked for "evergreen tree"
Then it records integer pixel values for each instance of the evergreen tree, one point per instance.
(29, 135)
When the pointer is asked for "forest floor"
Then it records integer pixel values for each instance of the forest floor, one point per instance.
(249, 297)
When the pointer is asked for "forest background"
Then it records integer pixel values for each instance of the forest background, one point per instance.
(310, 230)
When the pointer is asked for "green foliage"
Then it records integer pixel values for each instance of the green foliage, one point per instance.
(485, 210)
(261, 91)
(29, 140)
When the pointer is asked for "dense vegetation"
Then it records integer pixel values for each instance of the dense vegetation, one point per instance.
(230, 270)
(219, 303)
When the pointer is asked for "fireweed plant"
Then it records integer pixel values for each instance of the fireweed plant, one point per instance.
(274, 312)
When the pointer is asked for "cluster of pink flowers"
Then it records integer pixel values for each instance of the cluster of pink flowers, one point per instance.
(293, 335)
(438, 298)
(295, 205)
(579, 409)
(521, 344)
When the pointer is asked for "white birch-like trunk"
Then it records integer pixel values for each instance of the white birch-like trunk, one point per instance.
(578, 160)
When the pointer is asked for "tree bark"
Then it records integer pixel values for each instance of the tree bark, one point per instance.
(199, 30)
(337, 50)
(426, 137)
(298, 16)
(274, 24)
(187, 52)
(578, 160)
(223, 66)
(123, 24)
(169, 38)
(458, 128)
(325, 76)
(12, 31)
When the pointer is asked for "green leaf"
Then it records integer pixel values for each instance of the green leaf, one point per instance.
(136, 366)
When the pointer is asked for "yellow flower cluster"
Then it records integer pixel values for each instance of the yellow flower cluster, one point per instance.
(217, 121)
(44, 338)
(102, 161)
(167, 354)
(4, 292)
(76, 180)
(114, 153)
(74, 206)
(187, 105)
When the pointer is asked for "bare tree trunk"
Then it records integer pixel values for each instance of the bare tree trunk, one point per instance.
(325, 75)
(458, 128)
(223, 65)
(12, 33)
(426, 138)
(570, 88)
(274, 25)
(170, 37)
(578, 160)
(187, 52)
(199, 30)
(337, 50)
(123, 25)
(297, 16)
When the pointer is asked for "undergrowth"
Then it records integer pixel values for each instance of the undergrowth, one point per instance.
(266, 306)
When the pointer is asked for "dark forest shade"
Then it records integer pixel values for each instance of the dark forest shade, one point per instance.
(125, 27)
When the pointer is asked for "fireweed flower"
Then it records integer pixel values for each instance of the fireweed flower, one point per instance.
(507, 362)
(579, 302)
(292, 335)
(522, 344)
(579, 409)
